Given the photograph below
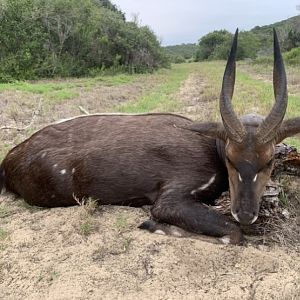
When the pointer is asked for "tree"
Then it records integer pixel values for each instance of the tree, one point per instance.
(210, 42)
(216, 45)
(292, 40)
(46, 38)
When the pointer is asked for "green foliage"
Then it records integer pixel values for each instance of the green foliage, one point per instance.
(248, 45)
(216, 45)
(43, 38)
(288, 32)
(178, 59)
(257, 42)
(213, 45)
(181, 53)
(292, 57)
(292, 40)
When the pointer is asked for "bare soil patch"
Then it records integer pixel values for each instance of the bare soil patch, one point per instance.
(68, 253)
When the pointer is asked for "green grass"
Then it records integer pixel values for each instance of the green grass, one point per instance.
(3, 234)
(3, 150)
(65, 94)
(4, 212)
(44, 87)
(251, 94)
(118, 79)
(58, 91)
(86, 227)
(121, 222)
(162, 97)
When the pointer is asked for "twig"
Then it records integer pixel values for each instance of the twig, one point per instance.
(34, 115)
(83, 110)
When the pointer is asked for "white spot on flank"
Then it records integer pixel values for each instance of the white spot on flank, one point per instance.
(63, 171)
(158, 231)
(240, 178)
(255, 177)
(73, 170)
(44, 154)
(204, 186)
(55, 166)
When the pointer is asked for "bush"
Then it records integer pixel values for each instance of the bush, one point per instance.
(292, 57)
(216, 45)
(210, 45)
(46, 38)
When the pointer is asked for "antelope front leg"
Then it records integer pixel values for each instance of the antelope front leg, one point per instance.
(195, 217)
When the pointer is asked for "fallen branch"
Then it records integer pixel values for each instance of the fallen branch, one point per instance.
(83, 110)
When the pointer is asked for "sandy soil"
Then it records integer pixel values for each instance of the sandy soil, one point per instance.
(78, 253)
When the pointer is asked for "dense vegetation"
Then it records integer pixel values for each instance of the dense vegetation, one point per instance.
(181, 53)
(256, 43)
(46, 38)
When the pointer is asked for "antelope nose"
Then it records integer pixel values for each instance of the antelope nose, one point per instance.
(244, 217)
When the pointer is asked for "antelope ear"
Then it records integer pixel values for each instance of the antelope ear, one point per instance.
(288, 128)
(210, 130)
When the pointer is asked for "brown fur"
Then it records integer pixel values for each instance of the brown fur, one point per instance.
(124, 160)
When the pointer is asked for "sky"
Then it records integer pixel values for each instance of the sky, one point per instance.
(177, 22)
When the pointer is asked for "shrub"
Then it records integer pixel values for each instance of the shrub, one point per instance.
(292, 57)
(46, 38)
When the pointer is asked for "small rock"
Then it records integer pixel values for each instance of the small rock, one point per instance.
(286, 213)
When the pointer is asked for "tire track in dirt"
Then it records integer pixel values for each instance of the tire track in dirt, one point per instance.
(199, 103)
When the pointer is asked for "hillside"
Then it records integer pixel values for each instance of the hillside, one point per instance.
(183, 51)
(264, 33)
(257, 42)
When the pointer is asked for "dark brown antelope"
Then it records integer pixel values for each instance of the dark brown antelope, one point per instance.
(164, 160)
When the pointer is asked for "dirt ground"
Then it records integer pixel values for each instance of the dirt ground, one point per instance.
(82, 253)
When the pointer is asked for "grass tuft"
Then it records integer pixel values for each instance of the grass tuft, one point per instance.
(86, 222)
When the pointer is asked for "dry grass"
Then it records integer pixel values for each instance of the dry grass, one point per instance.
(83, 253)
(85, 221)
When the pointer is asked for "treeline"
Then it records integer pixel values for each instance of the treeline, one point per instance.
(47, 38)
(256, 44)
(216, 45)
(181, 53)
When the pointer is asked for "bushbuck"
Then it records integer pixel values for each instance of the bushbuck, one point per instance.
(165, 160)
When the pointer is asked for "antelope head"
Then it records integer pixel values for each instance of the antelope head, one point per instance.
(250, 141)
